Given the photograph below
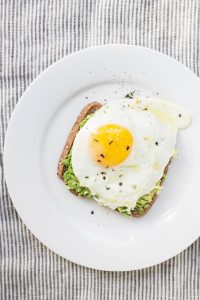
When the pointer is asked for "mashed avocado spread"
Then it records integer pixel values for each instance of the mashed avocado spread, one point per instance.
(73, 184)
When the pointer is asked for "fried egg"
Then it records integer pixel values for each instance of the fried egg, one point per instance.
(121, 152)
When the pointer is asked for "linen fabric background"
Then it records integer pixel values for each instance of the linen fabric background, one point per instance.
(34, 34)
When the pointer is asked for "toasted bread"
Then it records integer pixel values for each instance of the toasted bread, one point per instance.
(87, 110)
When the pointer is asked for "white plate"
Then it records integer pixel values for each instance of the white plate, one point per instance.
(37, 132)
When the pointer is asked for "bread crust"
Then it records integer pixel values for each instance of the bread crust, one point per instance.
(87, 110)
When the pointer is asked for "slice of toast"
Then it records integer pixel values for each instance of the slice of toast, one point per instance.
(87, 110)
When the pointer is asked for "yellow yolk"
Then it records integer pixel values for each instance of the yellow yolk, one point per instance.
(110, 145)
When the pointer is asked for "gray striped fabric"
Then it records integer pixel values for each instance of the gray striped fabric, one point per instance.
(34, 34)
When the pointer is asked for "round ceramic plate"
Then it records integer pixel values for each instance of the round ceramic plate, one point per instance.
(37, 132)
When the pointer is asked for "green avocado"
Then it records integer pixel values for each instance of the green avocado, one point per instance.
(71, 180)
(73, 184)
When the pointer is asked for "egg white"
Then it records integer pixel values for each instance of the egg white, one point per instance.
(153, 125)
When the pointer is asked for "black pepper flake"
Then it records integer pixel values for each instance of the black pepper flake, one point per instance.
(92, 212)
(120, 183)
(145, 109)
(130, 95)
(86, 97)
(127, 148)
(98, 160)
(120, 175)
(104, 177)
(113, 170)
(102, 155)
(110, 142)
(86, 177)
(180, 115)
(103, 173)
(107, 188)
(96, 140)
(156, 143)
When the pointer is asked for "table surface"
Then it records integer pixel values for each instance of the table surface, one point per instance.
(34, 35)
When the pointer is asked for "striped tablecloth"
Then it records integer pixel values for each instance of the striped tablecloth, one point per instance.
(34, 34)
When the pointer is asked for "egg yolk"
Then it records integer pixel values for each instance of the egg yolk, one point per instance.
(110, 145)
